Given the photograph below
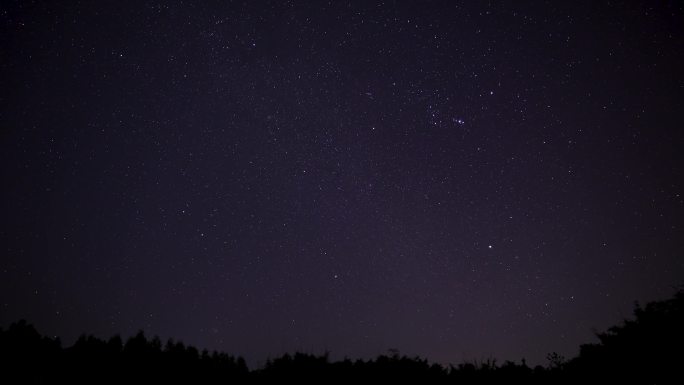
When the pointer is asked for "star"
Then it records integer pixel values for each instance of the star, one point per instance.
(174, 147)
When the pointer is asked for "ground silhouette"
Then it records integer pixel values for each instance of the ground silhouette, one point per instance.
(645, 349)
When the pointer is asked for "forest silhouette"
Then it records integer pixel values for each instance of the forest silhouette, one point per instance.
(644, 349)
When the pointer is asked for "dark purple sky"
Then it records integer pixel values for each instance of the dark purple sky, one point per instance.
(451, 180)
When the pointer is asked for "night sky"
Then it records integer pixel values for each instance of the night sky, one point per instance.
(452, 180)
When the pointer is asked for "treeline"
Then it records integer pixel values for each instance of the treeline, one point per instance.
(646, 349)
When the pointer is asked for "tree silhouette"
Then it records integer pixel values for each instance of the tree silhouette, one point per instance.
(646, 349)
